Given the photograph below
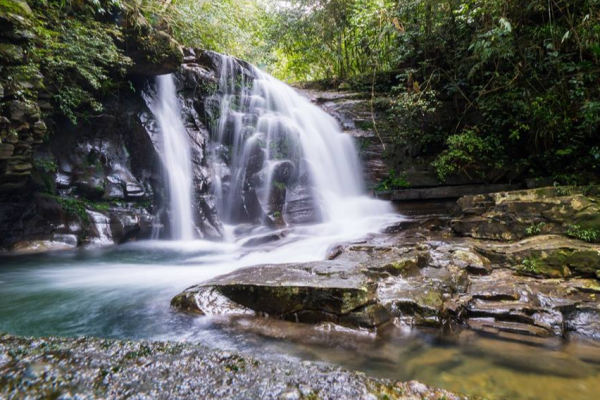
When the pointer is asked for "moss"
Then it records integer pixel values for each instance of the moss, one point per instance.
(562, 264)
(279, 185)
(364, 125)
(590, 223)
(431, 299)
(584, 262)
(15, 7)
(535, 229)
(72, 206)
(78, 207)
(537, 266)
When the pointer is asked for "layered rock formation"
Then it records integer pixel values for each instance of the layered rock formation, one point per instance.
(421, 273)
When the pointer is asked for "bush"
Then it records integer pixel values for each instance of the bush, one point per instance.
(78, 55)
(470, 153)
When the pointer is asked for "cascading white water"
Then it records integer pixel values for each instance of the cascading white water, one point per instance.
(271, 144)
(176, 157)
(102, 224)
(279, 161)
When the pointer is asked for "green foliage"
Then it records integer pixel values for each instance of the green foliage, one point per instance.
(72, 206)
(410, 106)
(278, 185)
(521, 80)
(392, 181)
(78, 207)
(235, 27)
(78, 55)
(529, 265)
(46, 165)
(535, 229)
(585, 234)
(314, 39)
(492, 89)
(469, 152)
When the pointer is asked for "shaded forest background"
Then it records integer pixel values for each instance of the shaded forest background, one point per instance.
(490, 89)
(495, 88)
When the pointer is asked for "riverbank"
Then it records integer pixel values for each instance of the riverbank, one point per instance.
(95, 368)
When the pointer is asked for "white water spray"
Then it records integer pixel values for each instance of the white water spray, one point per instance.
(177, 158)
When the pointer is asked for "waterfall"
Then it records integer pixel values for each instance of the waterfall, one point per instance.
(176, 157)
(102, 225)
(279, 159)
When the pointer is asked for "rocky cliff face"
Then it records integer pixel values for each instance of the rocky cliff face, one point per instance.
(101, 181)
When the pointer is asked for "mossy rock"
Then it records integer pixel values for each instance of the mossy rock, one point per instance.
(542, 268)
(562, 263)
(581, 262)
(324, 291)
(15, 7)
(11, 54)
(153, 52)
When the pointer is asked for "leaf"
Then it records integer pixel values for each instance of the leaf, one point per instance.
(564, 152)
(505, 24)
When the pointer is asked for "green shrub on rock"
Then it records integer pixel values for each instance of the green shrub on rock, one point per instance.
(585, 234)
(78, 57)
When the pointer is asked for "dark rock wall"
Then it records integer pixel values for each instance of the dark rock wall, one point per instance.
(76, 184)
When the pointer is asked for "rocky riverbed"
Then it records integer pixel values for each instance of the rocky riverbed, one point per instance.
(510, 263)
(94, 369)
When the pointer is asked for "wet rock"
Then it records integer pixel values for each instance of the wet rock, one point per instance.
(130, 224)
(406, 265)
(585, 320)
(508, 216)
(96, 369)
(58, 242)
(549, 256)
(473, 262)
(414, 302)
(265, 239)
(301, 206)
(312, 292)
(283, 171)
(429, 283)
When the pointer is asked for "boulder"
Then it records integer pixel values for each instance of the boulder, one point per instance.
(508, 216)
(312, 292)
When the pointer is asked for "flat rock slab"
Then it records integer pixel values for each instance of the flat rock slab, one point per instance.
(100, 369)
(318, 291)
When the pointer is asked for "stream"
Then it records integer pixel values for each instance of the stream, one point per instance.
(124, 292)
